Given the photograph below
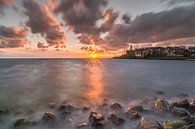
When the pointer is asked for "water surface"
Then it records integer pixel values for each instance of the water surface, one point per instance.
(30, 84)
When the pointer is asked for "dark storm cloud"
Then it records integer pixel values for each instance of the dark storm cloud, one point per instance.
(81, 15)
(3, 4)
(13, 32)
(110, 17)
(12, 37)
(175, 2)
(40, 20)
(91, 39)
(155, 27)
(126, 18)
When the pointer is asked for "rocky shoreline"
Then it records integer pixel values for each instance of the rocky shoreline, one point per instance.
(157, 113)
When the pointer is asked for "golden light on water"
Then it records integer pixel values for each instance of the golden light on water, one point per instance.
(94, 91)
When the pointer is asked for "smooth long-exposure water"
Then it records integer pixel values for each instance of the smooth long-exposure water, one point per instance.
(30, 84)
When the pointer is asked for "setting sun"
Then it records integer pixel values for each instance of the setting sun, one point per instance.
(93, 55)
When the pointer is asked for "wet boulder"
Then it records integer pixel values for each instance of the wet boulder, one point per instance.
(192, 105)
(4, 112)
(66, 109)
(22, 124)
(48, 116)
(173, 124)
(96, 120)
(182, 104)
(180, 111)
(189, 119)
(192, 126)
(82, 125)
(132, 114)
(85, 109)
(137, 108)
(185, 104)
(161, 105)
(115, 106)
(146, 123)
(116, 120)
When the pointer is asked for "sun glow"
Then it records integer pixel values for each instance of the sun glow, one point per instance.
(94, 55)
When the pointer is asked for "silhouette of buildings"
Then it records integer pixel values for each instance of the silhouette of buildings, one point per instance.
(161, 52)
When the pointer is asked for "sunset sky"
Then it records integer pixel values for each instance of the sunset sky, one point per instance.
(75, 28)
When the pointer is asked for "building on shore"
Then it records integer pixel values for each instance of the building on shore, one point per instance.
(192, 50)
(161, 52)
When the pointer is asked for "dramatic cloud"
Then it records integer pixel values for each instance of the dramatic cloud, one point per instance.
(155, 27)
(81, 16)
(41, 45)
(175, 2)
(52, 4)
(91, 49)
(176, 42)
(4, 3)
(42, 21)
(126, 18)
(12, 37)
(91, 39)
(110, 17)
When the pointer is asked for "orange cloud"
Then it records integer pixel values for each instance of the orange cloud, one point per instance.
(12, 37)
(52, 4)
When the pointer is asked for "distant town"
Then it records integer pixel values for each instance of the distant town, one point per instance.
(172, 53)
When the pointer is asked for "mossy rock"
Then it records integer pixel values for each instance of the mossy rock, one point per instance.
(173, 125)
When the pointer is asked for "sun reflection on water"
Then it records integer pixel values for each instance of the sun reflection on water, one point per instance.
(95, 88)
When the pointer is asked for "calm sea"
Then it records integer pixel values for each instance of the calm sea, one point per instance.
(30, 84)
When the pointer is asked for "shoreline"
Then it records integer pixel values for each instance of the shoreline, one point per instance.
(158, 58)
(154, 112)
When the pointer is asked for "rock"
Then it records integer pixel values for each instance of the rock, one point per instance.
(3, 112)
(68, 107)
(189, 119)
(82, 125)
(183, 104)
(161, 105)
(96, 120)
(180, 111)
(22, 124)
(132, 114)
(173, 125)
(137, 108)
(85, 109)
(145, 101)
(190, 126)
(52, 105)
(192, 105)
(115, 106)
(149, 124)
(48, 116)
(116, 120)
